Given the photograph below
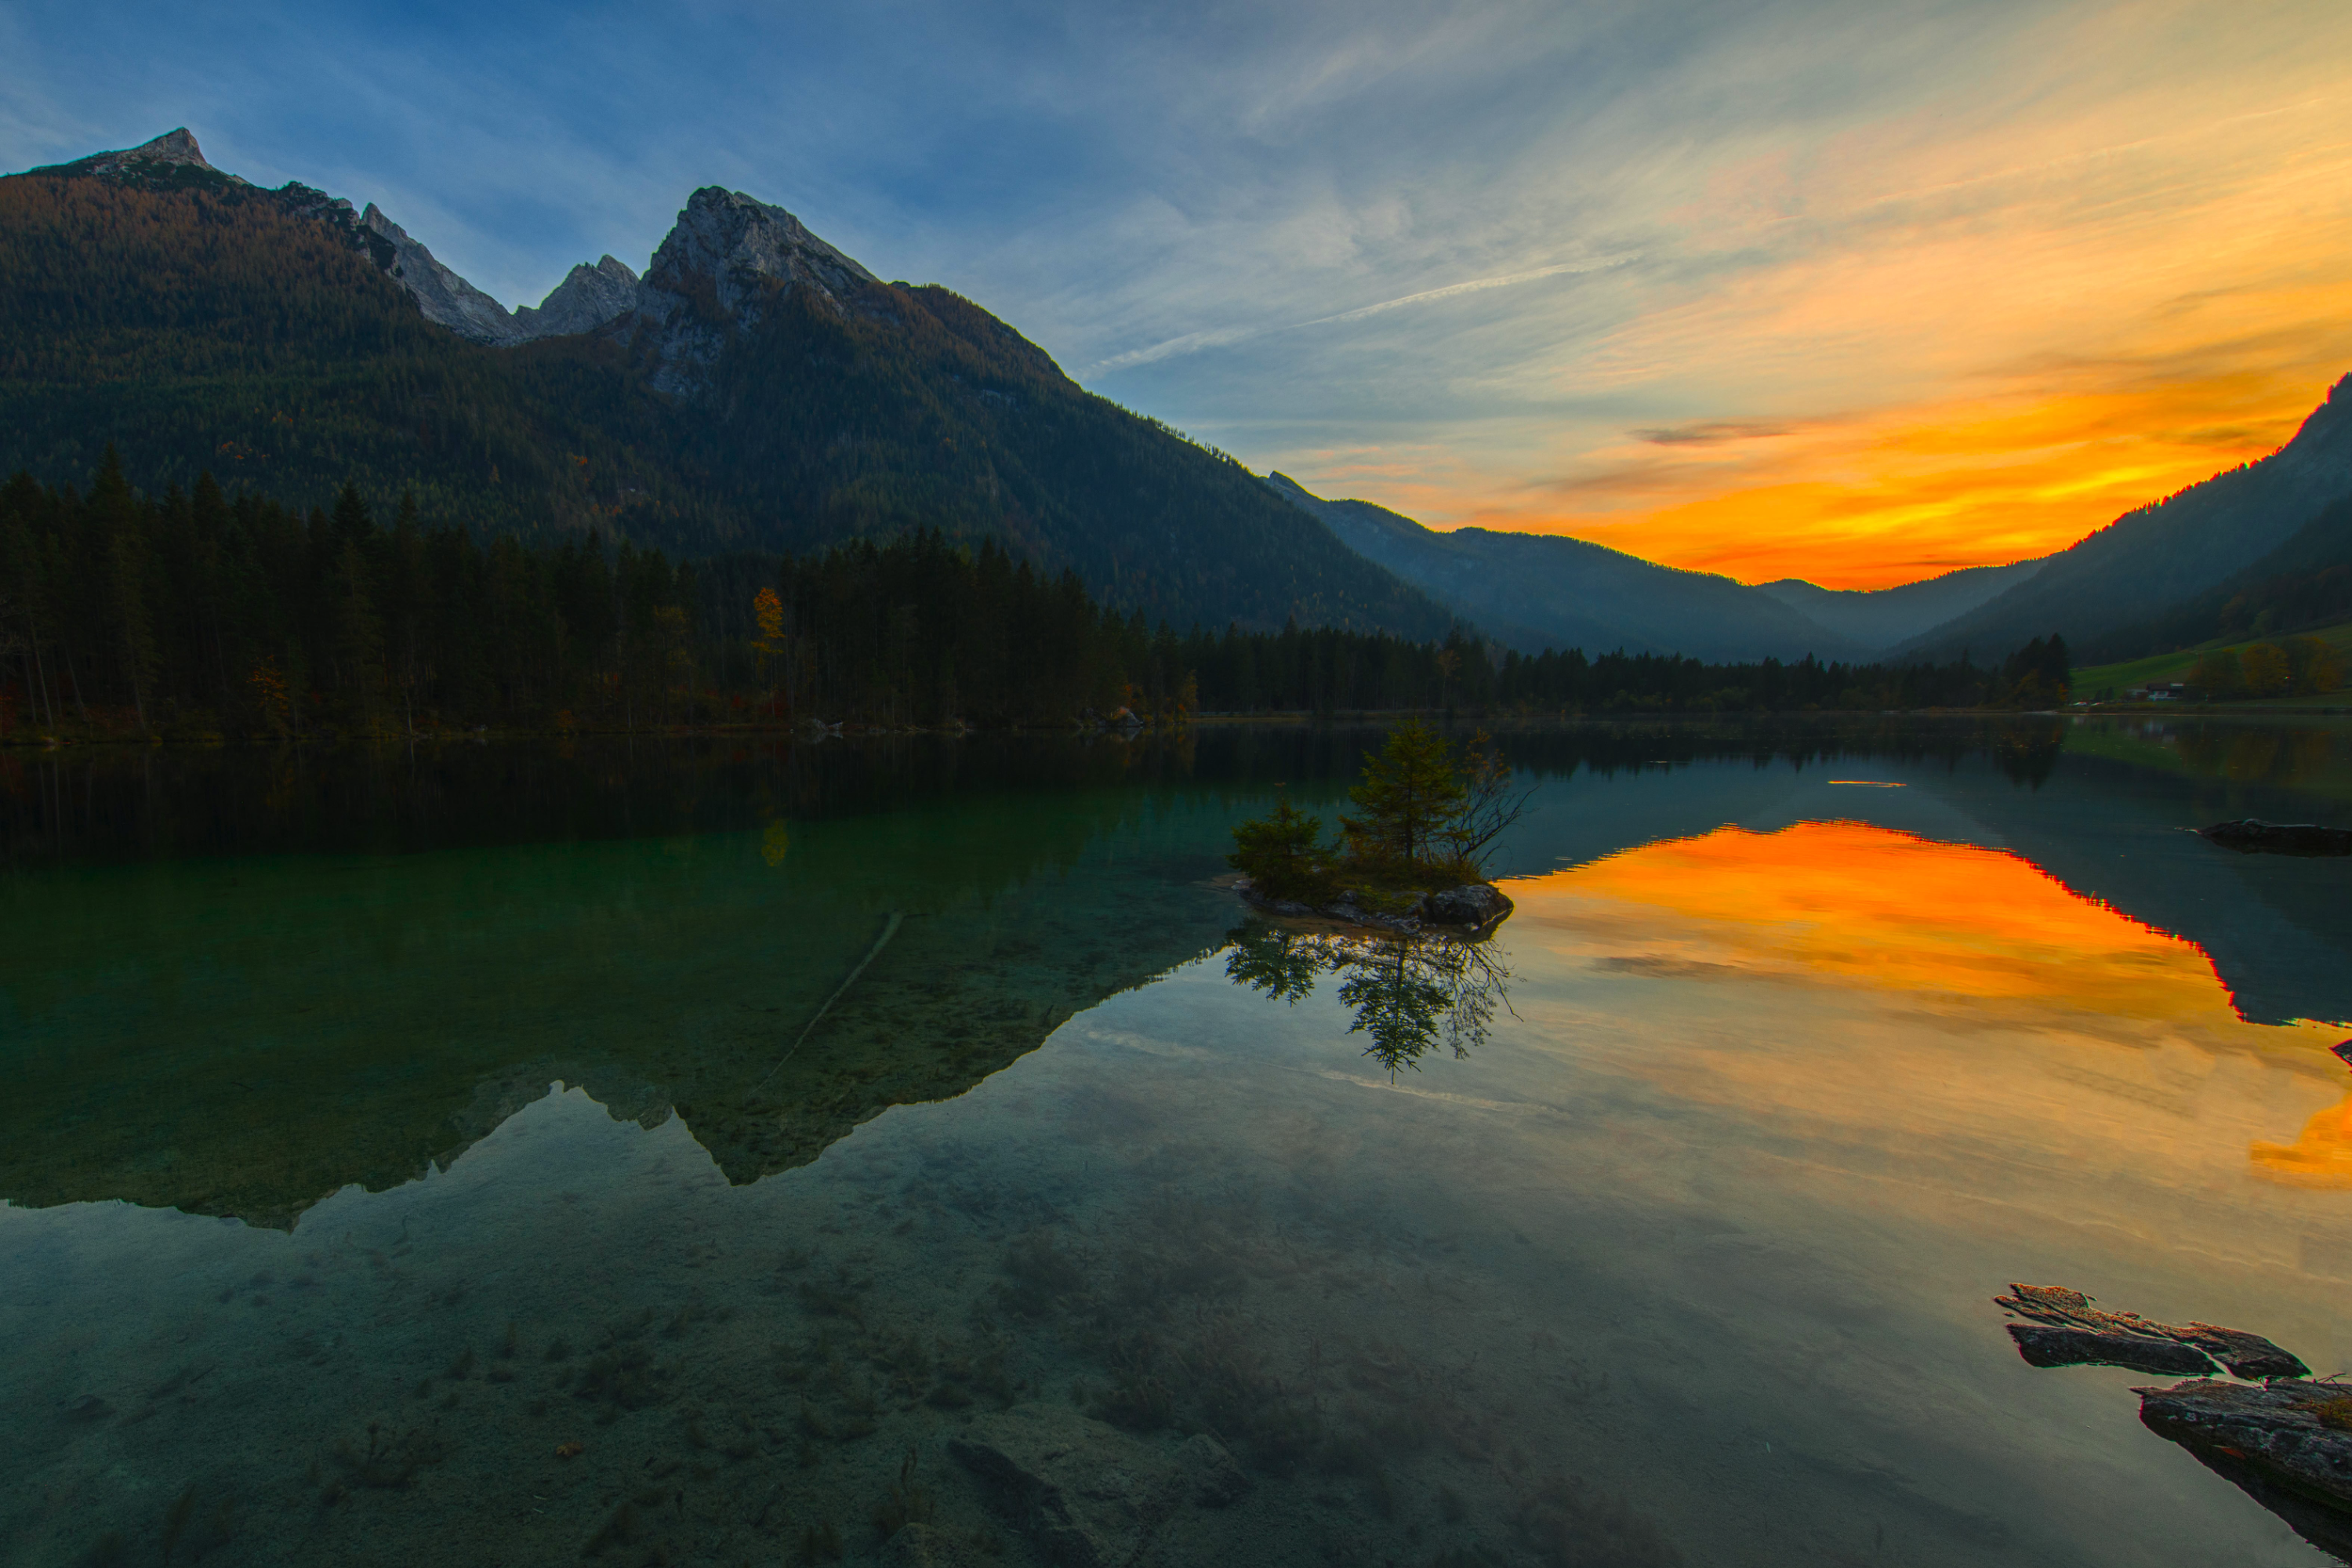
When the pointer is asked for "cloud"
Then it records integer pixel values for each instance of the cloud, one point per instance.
(1709, 431)
(1194, 342)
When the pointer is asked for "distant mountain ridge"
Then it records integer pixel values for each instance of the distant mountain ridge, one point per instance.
(757, 390)
(1880, 619)
(2153, 579)
(2155, 558)
(1537, 591)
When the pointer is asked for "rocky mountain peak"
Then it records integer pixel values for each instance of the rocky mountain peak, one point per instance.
(730, 254)
(174, 153)
(441, 294)
(177, 146)
(737, 246)
(586, 299)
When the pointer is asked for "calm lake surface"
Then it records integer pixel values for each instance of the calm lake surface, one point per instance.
(695, 1154)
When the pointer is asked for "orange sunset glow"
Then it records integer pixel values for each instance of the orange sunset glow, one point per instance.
(1968, 331)
(1920, 492)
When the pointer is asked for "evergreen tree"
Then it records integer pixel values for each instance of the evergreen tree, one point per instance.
(1282, 856)
(1409, 795)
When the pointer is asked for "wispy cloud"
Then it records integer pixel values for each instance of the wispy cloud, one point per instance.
(1224, 337)
(1709, 432)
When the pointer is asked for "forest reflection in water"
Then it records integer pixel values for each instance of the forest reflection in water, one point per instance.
(1410, 993)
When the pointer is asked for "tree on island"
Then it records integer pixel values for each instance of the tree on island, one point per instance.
(1424, 819)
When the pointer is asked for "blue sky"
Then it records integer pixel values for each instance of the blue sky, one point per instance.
(1702, 278)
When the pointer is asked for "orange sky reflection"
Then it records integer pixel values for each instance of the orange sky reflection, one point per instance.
(1952, 929)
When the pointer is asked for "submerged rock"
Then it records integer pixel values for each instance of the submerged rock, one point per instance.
(1087, 1494)
(2297, 1434)
(2041, 1345)
(2286, 1442)
(2250, 835)
(2079, 1335)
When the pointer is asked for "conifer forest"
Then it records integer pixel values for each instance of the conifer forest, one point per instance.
(198, 613)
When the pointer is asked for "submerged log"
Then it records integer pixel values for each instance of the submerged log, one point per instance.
(2252, 836)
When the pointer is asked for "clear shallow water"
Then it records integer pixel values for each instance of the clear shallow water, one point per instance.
(381, 1126)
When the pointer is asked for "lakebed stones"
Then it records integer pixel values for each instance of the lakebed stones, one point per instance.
(1089, 1494)
(2252, 836)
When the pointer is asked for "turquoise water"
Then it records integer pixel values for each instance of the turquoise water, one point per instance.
(696, 1155)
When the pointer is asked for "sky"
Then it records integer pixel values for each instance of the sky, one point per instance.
(1855, 290)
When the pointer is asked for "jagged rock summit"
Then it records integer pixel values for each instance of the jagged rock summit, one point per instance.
(586, 299)
(441, 294)
(173, 152)
(736, 254)
(728, 257)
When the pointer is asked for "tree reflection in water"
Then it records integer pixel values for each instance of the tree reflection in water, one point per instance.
(1410, 993)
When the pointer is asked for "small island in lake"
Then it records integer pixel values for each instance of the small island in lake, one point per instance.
(1413, 855)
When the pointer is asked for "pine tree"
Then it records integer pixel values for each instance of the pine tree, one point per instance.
(1409, 793)
(1281, 856)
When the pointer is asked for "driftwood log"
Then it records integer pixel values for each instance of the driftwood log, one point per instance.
(2252, 835)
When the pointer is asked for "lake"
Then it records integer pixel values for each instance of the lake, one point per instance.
(911, 1151)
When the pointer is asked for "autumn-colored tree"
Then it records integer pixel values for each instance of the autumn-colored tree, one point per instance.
(2264, 670)
(2317, 669)
(2218, 673)
(769, 611)
(269, 691)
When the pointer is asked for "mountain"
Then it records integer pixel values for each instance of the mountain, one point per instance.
(2304, 584)
(2148, 561)
(757, 390)
(1882, 617)
(1537, 591)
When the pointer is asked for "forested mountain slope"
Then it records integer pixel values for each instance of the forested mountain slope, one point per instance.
(1883, 618)
(2147, 563)
(757, 390)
